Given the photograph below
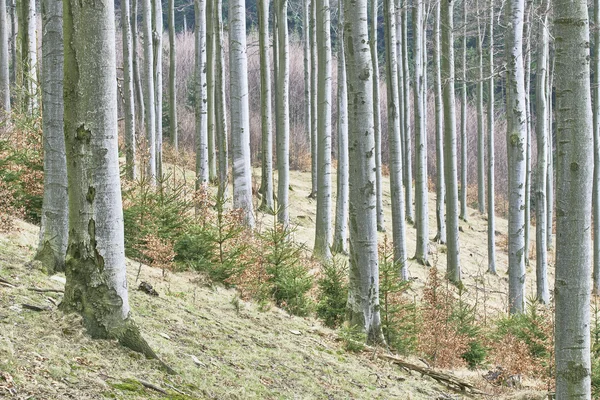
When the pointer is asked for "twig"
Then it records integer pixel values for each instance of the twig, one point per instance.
(152, 386)
(175, 389)
(35, 308)
(6, 283)
(33, 289)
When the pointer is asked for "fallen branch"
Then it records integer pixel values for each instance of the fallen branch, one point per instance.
(35, 308)
(6, 283)
(33, 289)
(153, 387)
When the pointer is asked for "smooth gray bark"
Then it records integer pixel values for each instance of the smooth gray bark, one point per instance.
(201, 106)
(480, 117)
(54, 232)
(394, 139)
(527, 66)
(157, 36)
(463, 119)
(421, 193)
(128, 91)
(220, 104)
(266, 112)
(363, 285)
(211, 104)
(4, 60)
(240, 112)
(137, 81)
(13, 41)
(27, 57)
(407, 131)
(283, 114)
(340, 234)
(573, 200)
(314, 142)
(596, 182)
(306, 46)
(541, 247)
(551, 176)
(377, 115)
(324, 88)
(173, 72)
(453, 272)
(491, 159)
(440, 185)
(96, 278)
(149, 110)
(516, 148)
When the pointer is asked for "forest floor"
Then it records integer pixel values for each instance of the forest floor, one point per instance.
(220, 346)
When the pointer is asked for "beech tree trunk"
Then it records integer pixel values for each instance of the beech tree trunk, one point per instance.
(283, 115)
(516, 143)
(173, 71)
(314, 142)
(340, 235)
(573, 200)
(265, 99)
(596, 121)
(128, 91)
(491, 187)
(464, 164)
(480, 118)
(440, 186)
(137, 81)
(453, 271)
(323, 219)
(377, 116)
(149, 110)
(221, 106)
(211, 103)
(363, 285)
(54, 232)
(407, 139)
(240, 113)
(201, 106)
(27, 55)
(4, 70)
(96, 276)
(527, 66)
(157, 34)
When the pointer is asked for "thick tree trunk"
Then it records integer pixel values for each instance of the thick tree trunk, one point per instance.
(491, 203)
(421, 193)
(377, 116)
(463, 120)
(128, 91)
(363, 286)
(323, 223)
(283, 115)
(265, 99)
(54, 232)
(340, 235)
(596, 180)
(527, 67)
(453, 272)
(394, 139)
(96, 284)
(573, 200)
(149, 110)
(440, 185)
(4, 70)
(541, 248)
(516, 144)
(220, 106)
(314, 142)
(240, 113)
(173, 71)
(157, 34)
(201, 106)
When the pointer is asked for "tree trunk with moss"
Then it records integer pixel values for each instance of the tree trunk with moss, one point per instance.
(573, 199)
(377, 116)
(340, 234)
(363, 285)
(96, 278)
(323, 219)
(201, 112)
(54, 233)
(27, 57)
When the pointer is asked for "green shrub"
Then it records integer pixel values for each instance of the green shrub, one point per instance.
(464, 317)
(354, 338)
(333, 293)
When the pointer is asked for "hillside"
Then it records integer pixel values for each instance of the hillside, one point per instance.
(221, 347)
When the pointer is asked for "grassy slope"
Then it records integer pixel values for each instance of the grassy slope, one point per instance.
(244, 353)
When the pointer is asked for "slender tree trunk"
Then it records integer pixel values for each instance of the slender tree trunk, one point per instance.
(307, 68)
(220, 106)
(573, 200)
(394, 138)
(4, 70)
(551, 177)
(137, 81)
(96, 276)
(173, 73)
(453, 271)
(480, 117)
(541, 248)
(407, 139)
(13, 41)
(201, 106)
(464, 165)
(265, 99)
(323, 224)
(527, 65)
(377, 116)
(596, 121)
(240, 113)
(491, 211)
(54, 232)
(211, 104)
(314, 142)
(283, 115)
(149, 110)
(27, 55)
(158, 82)
(363, 286)
(440, 186)
(340, 236)
(128, 91)
(516, 143)
(421, 194)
